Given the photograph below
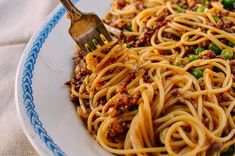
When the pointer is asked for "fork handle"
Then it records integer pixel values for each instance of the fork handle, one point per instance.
(72, 10)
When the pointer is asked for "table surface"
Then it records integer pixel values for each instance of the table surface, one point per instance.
(18, 21)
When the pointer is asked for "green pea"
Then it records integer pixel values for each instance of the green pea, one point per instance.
(230, 44)
(177, 62)
(217, 19)
(88, 47)
(199, 50)
(193, 58)
(229, 151)
(214, 48)
(95, 42)
(204, 1)
(128, 45)
(197, 73)
(185, 60)
(216, 69)
(129, 28)
(180, 11)
(228, 3)
(180, 4)
(227, 53)
(200, 8)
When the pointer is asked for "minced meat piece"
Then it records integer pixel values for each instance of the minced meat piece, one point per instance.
(124, 103)
(81, 70)
(121, 4)
(204, 43)
(170, 36)
(139, 5)
(145, 38)
(74, 99)
(215, 147)
(189, 48)
(117, 131)
(232, 65)
(207, 55)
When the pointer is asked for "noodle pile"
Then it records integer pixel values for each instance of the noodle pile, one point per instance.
(139, 94)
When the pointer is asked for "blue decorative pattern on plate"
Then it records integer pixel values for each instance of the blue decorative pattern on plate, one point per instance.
(27, 82)
(47, 116)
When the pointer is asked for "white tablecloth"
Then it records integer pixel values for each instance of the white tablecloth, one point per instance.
(18, 21)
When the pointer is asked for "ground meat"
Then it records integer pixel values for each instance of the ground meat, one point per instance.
(120, 25)
(223, 40)
(81, 71)
(115, 70)
(215, 147)
(208, 5)
(106, 21)
(190, 48)
(225, 24)
(228, 24)
(207, 55)
(218, 25)
(202, 86)
(233, 112)
(121, 4)
(121, 38)
(135, 98)
(146, 78)
(162, 16)
(124, 99)
(204, 43)
(84, 116)
(74, 99)
(69, 83)
(160, 24)
(78, 56)
(139, 6)
(221, 97)
(175, 92)
(186, 4)
(123, 89)
(76, 83)
(230, 30)
(170, 36)
(144, 39)
(232, 65)
(122, 105)
(131, 40)
(178, 1)
(117, 131)
(106, 50)
(192, 4)
(220, 13)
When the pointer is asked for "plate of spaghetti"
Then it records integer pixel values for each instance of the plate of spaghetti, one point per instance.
(164, 86)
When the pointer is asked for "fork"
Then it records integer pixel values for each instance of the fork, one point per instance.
(86, 29)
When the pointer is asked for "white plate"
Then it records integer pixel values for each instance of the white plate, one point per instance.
(47, 116)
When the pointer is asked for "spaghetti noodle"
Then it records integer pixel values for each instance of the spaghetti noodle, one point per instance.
(166, 84)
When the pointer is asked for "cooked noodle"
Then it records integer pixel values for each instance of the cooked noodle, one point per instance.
(145, 100)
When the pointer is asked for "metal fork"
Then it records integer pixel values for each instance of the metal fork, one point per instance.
(86, 28)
